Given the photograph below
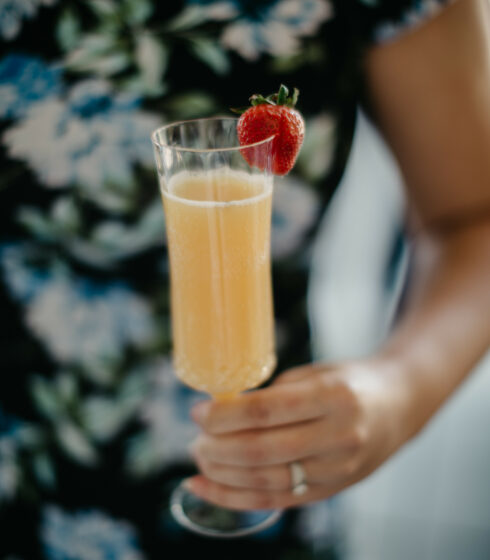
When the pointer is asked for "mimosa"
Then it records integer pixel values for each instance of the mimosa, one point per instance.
(218, 228)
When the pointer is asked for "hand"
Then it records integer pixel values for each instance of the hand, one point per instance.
(339, 422)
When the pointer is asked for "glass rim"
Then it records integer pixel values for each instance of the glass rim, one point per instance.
(159, 144)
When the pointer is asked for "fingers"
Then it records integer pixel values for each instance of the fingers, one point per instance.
(333, 420)
(245, 499)
(270, 486)
(259, 448)
(276, 477)
(277, 405)
(326, 469)
(276, 445)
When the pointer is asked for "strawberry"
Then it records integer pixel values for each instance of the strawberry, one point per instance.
(273, 115)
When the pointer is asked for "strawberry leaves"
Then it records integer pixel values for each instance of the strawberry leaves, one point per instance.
(282, 97)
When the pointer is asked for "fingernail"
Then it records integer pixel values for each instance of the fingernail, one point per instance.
(200, 411)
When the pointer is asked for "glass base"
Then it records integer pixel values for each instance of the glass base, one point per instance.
(210, 520)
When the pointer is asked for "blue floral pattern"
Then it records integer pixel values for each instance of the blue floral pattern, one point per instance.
(103, 318)
(168, 431)
(9, 470)
(90, 138)
(87, 535)
(16, 438)
(23, 81)
(412, 18)
(12, 12)
(94, 425)
(275, 28)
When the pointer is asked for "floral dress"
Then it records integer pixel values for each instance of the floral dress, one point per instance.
(94, 427)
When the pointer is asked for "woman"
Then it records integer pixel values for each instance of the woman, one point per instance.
(93, 425)
(320, 428)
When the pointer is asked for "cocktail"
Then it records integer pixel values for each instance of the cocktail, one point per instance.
(217, 197)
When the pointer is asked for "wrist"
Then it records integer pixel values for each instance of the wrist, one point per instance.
(415, 390)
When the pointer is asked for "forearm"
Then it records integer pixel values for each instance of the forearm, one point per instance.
(429, 93)
(445, 327)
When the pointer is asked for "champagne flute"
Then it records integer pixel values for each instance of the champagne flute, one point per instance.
(217, 198)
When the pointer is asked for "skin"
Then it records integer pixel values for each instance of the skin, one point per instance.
(430, 94)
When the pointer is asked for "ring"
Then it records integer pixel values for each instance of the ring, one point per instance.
(298, 478)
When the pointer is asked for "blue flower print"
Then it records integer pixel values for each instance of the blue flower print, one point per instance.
(220, 10)
(12, 12)
(103, 318)
(108, 242)
(273, 27)
(295, 209)
(168, 427)
(23, 81)
(418, 14)
(15, 435)
(22, 281)
(9, 470)
(91, 138)
(112, 240)
(87, 535)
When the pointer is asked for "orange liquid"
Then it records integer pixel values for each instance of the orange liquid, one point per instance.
(218, 229)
